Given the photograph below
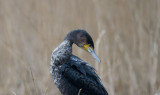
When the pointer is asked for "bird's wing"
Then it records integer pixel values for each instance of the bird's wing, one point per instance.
(83, 76)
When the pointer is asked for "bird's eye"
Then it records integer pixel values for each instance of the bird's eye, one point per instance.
(90, 45)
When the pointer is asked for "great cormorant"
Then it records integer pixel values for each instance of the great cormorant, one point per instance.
(72, 75)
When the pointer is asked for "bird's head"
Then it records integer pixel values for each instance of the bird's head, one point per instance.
(83, 40)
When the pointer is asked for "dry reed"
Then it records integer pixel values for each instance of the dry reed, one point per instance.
(126, 35)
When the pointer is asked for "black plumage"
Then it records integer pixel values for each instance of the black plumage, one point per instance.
(70, 73)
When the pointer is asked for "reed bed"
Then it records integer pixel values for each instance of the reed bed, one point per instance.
(126, 35)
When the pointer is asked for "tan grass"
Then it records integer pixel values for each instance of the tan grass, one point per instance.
(126, 35)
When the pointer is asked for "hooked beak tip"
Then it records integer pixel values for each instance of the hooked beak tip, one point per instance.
(90, 50)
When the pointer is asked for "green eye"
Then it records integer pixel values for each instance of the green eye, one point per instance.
(90, 46)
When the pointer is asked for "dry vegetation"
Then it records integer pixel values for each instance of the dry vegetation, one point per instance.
(126, 35)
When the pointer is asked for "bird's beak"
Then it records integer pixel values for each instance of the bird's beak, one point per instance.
(91, 51)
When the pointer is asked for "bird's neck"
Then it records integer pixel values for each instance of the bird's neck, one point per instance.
(62, 53)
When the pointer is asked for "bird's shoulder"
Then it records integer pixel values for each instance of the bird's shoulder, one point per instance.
(80, 66)
(82, 75)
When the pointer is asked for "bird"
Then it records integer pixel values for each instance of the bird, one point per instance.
(71, 75)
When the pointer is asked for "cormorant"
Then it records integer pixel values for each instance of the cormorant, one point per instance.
(72, 75)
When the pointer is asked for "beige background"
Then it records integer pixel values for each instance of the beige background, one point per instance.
(126, 35)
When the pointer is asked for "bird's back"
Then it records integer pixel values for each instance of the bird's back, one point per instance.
(77, 74)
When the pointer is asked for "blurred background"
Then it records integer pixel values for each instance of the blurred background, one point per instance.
(126, 35)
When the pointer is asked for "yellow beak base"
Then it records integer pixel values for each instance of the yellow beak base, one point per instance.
(91, 51)
(85, 47)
